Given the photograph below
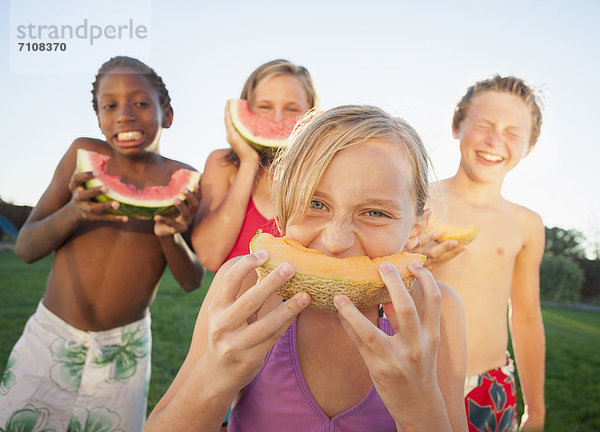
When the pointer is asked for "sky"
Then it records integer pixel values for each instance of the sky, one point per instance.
(414, 59)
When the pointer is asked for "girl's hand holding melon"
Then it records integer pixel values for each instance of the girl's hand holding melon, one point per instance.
(402, 366)
(238, 340)
(240, 146)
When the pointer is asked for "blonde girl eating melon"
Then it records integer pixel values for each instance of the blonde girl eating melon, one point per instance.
(352, 183)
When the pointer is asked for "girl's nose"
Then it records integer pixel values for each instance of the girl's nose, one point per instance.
(338, 239)
(278, 115)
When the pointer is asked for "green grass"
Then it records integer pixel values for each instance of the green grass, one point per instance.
(173, 316)
(572, 369)
(572, 341)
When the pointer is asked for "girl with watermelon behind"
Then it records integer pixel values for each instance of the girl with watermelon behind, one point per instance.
(353, 182)
(235, 184)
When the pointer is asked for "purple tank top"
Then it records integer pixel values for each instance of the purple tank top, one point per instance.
(278, 399)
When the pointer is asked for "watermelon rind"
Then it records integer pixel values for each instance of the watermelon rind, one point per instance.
(261, 144)
(135, 208)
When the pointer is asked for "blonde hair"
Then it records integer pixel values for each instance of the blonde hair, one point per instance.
(316, 140)
(511, 85)
(280, 67)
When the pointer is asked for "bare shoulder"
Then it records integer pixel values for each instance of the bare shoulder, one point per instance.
(92, 144)
(451, 301)
(218, 175)
(66, 166)
(217, 165)
(529, 222)
(175, 164)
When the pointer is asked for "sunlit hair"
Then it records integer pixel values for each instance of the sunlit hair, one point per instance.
(140, 68)
(265, 72)
(280, 67)
(299, 168)
(511, 85)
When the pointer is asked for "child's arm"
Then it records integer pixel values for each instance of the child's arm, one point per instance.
(403, 366)
(182, 261)
(228, 347)
(223, 207)
(62, 208)
(527, 328)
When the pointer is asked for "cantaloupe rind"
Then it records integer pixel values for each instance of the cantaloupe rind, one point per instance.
(356, 277)
(322, 291)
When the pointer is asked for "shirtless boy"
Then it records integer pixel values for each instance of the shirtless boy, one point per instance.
(84, 356)
(497, 123)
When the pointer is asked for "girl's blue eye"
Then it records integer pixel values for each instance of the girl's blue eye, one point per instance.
(318, 205)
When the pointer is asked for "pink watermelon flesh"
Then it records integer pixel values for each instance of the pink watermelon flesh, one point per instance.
(133, 202)
(262, 133)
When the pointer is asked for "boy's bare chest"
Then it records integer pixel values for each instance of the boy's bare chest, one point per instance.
(487, 264)
(134, 242)
(500, 231)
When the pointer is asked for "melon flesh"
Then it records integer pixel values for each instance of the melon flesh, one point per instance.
(323, 276)
(260, 132)
(136, 203)
(462, 234)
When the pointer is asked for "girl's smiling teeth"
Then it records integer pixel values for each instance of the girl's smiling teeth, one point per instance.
(489, 156)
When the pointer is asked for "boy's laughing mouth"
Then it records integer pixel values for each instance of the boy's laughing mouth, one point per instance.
(489, 157)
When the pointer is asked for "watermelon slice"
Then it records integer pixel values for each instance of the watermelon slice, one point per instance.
(260, 132)
(133, 202)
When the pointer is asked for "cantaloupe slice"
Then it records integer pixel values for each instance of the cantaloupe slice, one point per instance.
(463, 234)
(323, 276)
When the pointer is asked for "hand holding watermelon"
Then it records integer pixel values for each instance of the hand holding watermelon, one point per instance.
(180, 221)
(240, 146)
(83, 199)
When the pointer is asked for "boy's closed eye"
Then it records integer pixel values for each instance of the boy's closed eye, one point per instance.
(512, 133)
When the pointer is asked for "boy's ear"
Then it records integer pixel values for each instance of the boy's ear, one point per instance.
(421, 225)
(531, 146)
(455, 131)
(168, 114)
